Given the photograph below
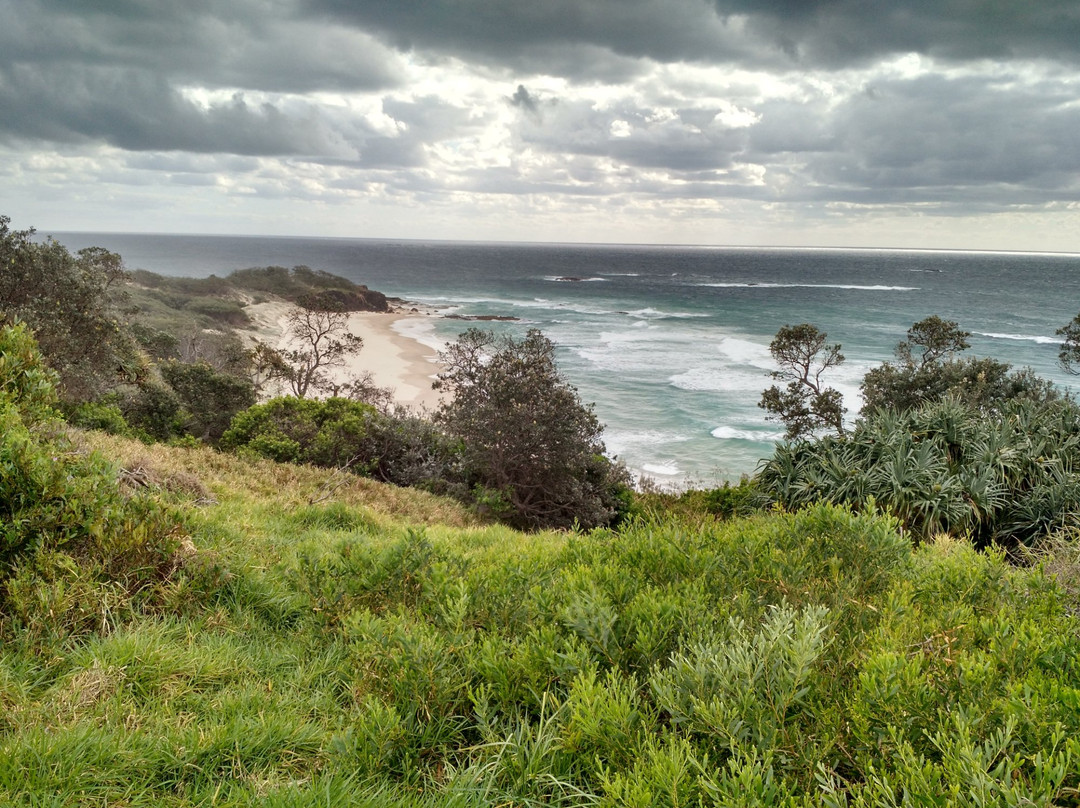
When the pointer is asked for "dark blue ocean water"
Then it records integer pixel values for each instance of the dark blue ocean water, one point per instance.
(671, 343)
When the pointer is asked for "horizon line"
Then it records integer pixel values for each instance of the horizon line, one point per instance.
(508, 242)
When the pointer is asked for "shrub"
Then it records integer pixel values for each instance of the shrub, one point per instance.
(67, 535)
(225, 311)
(1008, 477)
(328, 432)
(153, 409)
(526, 433)
(210, 398)
(99, 415)
(71, 303)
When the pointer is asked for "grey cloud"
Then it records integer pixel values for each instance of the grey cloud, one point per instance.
(636, 136)
(523, 99)
(830, 33)
(532, 35)
(974, 141)
(934, 132)
(844, 32)
(244, 44)
(139, 112)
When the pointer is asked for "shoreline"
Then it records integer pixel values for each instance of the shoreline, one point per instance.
(394, 357)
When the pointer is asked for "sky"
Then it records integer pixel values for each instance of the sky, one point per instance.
(950, 124)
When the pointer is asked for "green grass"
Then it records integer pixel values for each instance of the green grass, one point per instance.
(326, 644)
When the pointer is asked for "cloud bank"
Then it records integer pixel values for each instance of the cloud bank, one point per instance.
(773, 121)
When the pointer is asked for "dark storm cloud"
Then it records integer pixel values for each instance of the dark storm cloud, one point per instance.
(843, 32)
(561, 97)
(920, 137)
(243, 44)
(525, 33)
(831, 33)
(138, 112)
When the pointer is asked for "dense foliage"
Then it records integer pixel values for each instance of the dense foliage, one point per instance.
(946, 467)
(68, 536)
(341, 657)
(927, 369)
(329, 432)
(528, 441)
(72, 304)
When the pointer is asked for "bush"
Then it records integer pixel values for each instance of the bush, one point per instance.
(328, 432)
(979, 383)
(101, 416)
(1008, 477)
(71, 303)
(224, 311)
(66, 532)
(210, 398)
(152, 409)
(402, 449)
(526, 434)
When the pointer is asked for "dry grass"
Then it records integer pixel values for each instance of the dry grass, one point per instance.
(194, 472)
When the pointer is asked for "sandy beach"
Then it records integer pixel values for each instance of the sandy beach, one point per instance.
(392, 357)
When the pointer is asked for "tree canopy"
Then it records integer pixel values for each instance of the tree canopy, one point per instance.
(72, 303)
(529, 443)
(805, 405)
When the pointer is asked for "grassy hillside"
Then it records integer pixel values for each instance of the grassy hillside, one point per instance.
(329, 641)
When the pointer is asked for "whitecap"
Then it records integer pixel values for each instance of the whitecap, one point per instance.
(1021, 337)
(623, 443)
(573, 279)
(746, 352)
(758, 435)
(719, 379)
(860, 287)
(655, 314)
(665, 468)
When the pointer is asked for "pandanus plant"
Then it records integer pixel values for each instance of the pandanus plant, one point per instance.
(1004, 476)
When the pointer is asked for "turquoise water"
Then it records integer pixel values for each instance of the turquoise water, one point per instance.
(671, 343)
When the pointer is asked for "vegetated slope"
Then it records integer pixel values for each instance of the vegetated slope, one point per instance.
(361, 644)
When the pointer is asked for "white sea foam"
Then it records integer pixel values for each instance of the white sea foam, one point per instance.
(570, 279)
(420, 330)
(619, 443)
(447, 305)
(666, 468)
(860, 287)
(1021, 338)
(656, 314)
(745, 352)
(719, 379)
(758, 435)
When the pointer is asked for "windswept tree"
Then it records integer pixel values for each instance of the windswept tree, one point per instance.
(804, 405)
(1069, 355)
(321, 343)
(928, 369)
(531, 447)
(932, 340)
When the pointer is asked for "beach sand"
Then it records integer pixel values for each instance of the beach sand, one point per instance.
(393, 359)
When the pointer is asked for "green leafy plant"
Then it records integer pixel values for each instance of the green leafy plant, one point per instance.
(525, 432)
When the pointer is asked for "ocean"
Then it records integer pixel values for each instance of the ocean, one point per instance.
(671, 343)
